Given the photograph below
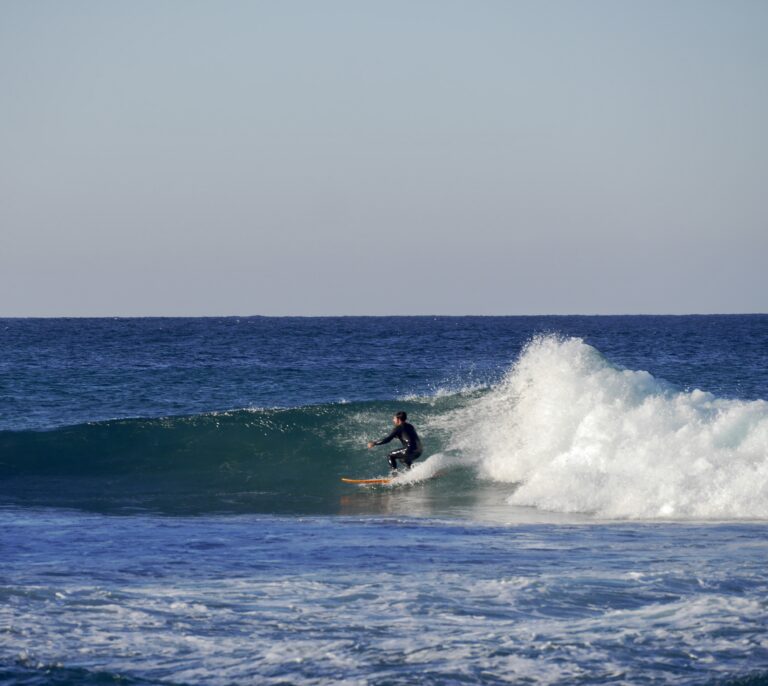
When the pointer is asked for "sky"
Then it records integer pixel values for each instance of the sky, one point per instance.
(387, 157)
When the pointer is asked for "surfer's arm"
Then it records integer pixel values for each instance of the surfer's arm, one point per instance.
(386, 439)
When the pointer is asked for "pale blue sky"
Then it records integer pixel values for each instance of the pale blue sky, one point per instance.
(414, 157)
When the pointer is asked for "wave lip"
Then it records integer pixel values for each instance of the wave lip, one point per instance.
(581, 435)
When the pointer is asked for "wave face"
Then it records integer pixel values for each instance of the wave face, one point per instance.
(564, 431)
(577, 434)
(271, 460)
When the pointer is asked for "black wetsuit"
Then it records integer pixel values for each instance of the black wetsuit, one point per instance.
(411, 442)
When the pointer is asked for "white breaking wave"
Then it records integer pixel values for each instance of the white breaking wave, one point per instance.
(577, 434)
(431, 467)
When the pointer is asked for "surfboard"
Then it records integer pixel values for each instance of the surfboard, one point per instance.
(365, 481)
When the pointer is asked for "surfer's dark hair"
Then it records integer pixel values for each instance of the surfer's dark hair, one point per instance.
(401, 415)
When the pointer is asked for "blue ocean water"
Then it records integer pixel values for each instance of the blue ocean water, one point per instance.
(592, 505)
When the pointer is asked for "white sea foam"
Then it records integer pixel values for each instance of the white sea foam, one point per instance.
(577, 434)
(379, 600)
(434, 466)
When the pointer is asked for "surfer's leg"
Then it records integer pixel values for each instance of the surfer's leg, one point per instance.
(396, 455)
(408, 458)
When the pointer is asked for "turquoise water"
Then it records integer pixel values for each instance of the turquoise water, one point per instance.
(592, 505)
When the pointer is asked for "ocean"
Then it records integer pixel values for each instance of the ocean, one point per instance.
(591, 506)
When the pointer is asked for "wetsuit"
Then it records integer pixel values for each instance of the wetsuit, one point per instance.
(411, 449)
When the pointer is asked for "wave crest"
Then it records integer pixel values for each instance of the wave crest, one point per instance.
(581, 435)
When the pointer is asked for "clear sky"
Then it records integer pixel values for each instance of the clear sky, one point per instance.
(383, 157)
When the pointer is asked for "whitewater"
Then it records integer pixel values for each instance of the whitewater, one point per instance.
(591, 506)
(578, 434)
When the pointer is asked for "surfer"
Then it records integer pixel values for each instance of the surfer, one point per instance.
(407, 435)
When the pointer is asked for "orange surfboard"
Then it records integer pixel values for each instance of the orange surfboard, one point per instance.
(365, 481)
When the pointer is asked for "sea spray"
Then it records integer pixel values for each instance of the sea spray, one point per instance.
(577, 434)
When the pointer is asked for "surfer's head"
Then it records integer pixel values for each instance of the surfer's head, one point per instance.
(399, 417)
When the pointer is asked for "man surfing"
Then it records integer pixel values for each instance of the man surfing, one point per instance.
(407, 435)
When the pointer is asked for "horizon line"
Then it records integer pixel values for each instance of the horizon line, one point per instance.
(382, 316)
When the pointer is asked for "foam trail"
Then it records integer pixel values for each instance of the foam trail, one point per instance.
(435, 465)
(580, 435)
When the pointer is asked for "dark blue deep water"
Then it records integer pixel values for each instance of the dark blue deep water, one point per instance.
(591, 506)
(68, 371)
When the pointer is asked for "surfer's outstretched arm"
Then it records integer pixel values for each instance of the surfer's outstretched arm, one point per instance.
(393, 434)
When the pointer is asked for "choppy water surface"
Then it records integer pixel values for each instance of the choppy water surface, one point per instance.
(253, 599)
